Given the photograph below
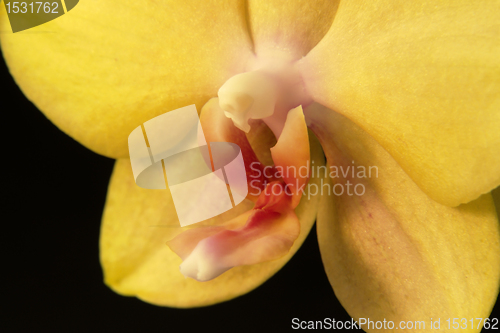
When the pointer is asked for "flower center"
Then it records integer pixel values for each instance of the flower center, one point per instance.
(272, 91)
(268, 91)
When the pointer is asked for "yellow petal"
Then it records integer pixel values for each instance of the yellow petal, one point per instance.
(393, 252)
(292, 27)
(423, 78)
(104, 68)
(136, 225)
(496, 198)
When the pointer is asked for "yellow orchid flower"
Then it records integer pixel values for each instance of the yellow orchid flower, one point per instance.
(408, 88)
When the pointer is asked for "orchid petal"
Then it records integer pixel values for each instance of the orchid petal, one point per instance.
(106, 67)
(290, 27)
(496, 199)
(422, 78)
(393, 253)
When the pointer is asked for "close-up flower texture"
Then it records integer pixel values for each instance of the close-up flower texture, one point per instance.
(392, 107)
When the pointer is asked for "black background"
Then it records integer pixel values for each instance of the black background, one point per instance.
(55, 193)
